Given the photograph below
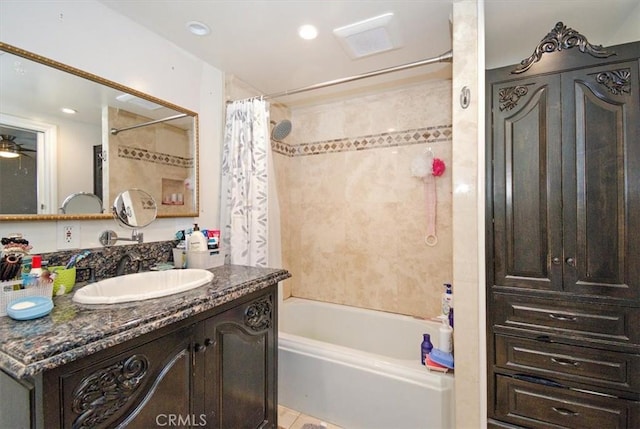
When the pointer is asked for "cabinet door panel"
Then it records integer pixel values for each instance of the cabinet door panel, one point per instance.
(241, 363)
(600, 169)
(133, 388)
(527, 188)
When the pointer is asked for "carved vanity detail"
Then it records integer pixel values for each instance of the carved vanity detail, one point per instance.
(215, 368)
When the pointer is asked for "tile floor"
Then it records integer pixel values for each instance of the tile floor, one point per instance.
(291, 419)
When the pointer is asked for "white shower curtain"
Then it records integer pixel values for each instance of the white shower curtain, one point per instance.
(245, 183)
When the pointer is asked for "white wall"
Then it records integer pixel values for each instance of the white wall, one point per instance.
(629, 30)
(89, 36)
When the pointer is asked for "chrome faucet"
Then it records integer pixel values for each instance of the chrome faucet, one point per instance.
(130, 256)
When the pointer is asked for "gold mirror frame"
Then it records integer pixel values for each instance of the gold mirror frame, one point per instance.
(102, 81)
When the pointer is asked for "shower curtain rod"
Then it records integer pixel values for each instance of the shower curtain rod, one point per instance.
(443, 58)
(115, 131)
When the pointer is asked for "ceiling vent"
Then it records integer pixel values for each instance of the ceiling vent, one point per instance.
(368, 37)
(140, 102)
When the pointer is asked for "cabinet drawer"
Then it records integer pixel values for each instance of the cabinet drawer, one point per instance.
(559, 361)
(570, 319)
(538, 406)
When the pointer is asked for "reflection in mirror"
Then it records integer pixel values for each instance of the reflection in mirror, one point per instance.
(134, 208)
(81, 202)
(61, 154)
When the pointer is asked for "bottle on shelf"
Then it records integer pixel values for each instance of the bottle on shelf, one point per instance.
(445, 337)
(447, 299)
(425, 347)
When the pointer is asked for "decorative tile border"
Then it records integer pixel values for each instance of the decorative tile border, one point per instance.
(155, 157)
(433, 134)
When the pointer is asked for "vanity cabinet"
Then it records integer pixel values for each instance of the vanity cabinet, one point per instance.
(563, 242)
(214, 370)
(239, 370)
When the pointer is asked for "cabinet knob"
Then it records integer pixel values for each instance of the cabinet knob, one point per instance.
(570, 261)
(556, 261)
(197, 347)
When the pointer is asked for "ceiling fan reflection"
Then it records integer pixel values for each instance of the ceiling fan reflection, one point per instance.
(10, 149)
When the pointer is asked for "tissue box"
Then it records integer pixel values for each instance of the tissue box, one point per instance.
(205, 259)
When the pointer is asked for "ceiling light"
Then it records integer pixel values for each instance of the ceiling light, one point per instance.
(69, 111)
(198, 28)
(308, 32)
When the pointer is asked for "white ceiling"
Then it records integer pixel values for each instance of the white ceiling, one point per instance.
(257, 42)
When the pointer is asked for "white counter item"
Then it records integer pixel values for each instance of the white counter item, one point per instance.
(445, 335)
(196, 241)
(206, 259)
(179, 258)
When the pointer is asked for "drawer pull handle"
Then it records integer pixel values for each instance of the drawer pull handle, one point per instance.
(565, 362)
(563, 318)
(565, 412)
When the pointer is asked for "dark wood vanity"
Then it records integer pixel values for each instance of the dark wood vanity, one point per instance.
(208, 358)
(563, 253)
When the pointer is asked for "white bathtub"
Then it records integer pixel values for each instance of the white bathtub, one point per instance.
(359, 368)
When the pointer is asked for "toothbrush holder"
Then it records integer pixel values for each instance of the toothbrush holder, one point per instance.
(64, 281)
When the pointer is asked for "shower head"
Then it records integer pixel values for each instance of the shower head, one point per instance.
(280, 130)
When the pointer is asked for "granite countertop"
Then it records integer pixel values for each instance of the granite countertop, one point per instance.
(72, 331)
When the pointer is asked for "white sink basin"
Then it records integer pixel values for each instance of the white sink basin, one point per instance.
(140, 286)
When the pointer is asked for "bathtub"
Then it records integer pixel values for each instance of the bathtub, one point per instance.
(359, 368)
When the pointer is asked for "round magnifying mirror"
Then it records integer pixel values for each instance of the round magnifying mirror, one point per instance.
(81, 202)
(134, 208)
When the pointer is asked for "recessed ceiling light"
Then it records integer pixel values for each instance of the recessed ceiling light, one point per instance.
(69, 111)
(198, 28)
(308, 32)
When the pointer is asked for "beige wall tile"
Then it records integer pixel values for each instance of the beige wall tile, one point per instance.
(354, 222)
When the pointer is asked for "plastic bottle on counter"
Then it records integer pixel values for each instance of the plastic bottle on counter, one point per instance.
(36, 266)
(445, 336)
(425, 347)
(196, 241)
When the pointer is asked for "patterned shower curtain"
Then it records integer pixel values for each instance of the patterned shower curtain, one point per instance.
(245, 183)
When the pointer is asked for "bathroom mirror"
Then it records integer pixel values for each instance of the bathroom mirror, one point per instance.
(134, 208)
(113, 139)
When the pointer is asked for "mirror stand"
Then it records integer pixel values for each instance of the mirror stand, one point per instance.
(109, 237)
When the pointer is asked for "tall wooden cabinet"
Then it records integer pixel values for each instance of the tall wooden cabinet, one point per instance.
(563, 233)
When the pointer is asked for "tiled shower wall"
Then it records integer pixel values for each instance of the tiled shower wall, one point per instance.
(140, 157)
(353, 217)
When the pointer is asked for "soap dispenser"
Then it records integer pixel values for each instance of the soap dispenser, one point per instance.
(197, 241)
